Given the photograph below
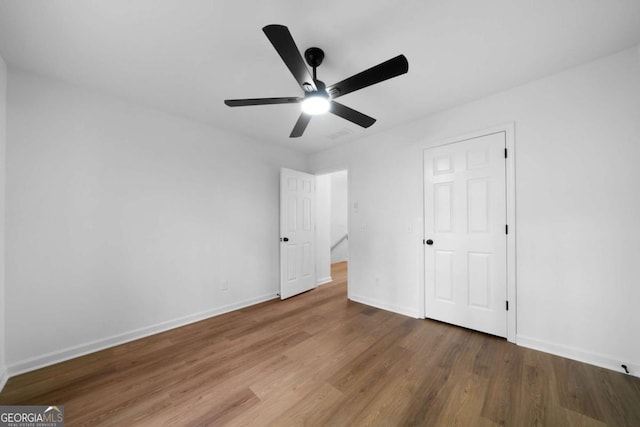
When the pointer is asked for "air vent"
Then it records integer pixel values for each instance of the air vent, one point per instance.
(340, 134)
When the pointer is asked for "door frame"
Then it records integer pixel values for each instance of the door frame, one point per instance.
(510, 194)
(328, 171)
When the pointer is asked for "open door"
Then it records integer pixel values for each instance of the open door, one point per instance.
(297, 232)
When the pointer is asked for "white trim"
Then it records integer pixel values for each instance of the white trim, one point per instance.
(349, 229)
(437, 142)
(405, 311)
(601, 360)
(48, 359)
(510, 181)
(324, 281)
(512, 322)
(4, 377)
(422, 291)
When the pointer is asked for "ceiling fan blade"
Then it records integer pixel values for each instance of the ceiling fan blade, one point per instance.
(301, 125)
(260, 101)
(281, 39)
(381, 72)
(352, 115)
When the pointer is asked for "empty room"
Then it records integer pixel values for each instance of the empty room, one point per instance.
(284, 213)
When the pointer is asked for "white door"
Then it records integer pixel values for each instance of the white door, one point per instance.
(465, 234)
(297, 232)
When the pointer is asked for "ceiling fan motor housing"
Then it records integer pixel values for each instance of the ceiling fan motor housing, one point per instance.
(314, 56)
(322, 88)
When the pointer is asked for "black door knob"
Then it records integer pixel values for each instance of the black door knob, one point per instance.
(285, 239)
(429, 242)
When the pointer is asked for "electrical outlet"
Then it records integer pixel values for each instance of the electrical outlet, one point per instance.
(224, 285)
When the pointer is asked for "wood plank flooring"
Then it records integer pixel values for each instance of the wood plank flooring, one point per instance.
(319, 359)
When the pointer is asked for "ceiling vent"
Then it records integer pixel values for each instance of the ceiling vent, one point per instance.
(340, 134)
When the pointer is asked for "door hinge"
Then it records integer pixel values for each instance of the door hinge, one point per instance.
(505, 153)
(507, 305)
(506, 229)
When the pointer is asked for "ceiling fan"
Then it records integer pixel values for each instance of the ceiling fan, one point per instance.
(319, 98)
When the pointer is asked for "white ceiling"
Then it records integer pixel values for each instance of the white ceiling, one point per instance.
(187, 56)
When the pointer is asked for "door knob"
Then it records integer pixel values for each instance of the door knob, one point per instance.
(429, 242)
(285, 239)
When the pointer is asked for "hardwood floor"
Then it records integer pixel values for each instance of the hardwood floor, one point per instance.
(319, 359)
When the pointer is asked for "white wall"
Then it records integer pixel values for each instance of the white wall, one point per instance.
(323, 228)
(3, 144)
(339, 209)
(122, 221)
(577, 208)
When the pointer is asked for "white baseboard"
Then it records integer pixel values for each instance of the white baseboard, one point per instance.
(4, 377)
(324, 281)
(406, 311)
(38, 362)
(601, 360)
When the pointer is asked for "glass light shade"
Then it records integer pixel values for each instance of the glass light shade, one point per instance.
(315, 105)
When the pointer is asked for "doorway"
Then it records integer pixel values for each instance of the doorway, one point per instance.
(332, 226)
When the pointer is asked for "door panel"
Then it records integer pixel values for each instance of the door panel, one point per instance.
(479, 281)
(465, 216)
(297, 225)
(444, 275)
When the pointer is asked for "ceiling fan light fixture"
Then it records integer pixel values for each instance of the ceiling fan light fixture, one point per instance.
(315, 105)
(318, 99)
